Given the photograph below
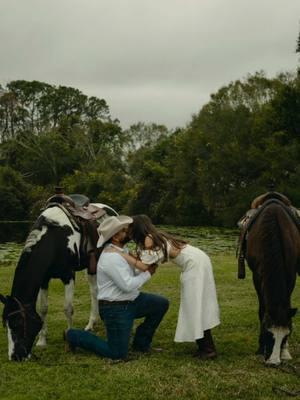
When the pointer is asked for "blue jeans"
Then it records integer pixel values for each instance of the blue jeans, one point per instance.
(118, 320)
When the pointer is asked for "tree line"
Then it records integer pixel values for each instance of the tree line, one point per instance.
(206, 173)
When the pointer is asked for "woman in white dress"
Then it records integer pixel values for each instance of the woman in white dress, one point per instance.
(199, 310)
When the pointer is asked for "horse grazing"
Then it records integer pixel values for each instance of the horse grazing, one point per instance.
(272, 251)
(61, 242)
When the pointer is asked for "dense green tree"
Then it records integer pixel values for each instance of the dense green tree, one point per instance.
(43, 159)
(16, 195)
(37, 107)
(237, 145)
(208, 173)
(49, 132)
(149, 180)
(144, 135)
(103, 181)
(246, 136)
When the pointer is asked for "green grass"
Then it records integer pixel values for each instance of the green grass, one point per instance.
(174, 374)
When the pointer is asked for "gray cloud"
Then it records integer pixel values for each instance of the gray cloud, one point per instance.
(153, 60)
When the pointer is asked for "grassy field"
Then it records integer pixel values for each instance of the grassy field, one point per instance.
(174, 374)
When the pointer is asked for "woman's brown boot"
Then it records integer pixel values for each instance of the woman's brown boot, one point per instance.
(206, 346)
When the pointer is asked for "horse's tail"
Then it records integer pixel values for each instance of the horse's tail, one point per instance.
(274, 260)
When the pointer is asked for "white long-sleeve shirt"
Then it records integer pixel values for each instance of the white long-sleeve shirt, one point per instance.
(116, 279)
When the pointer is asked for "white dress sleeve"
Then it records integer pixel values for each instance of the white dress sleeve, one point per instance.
(152, 256)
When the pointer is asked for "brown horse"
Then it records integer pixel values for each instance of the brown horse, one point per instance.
(273, 255)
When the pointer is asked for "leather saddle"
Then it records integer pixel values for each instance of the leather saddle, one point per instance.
(85, 218)
(247, 221)
(78, 205)
(258, 201)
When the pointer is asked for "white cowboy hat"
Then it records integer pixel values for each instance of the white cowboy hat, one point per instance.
(110, 226)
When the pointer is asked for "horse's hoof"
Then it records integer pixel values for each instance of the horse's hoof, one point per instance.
(272, 363)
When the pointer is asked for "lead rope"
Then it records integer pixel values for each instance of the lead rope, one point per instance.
(288, 369)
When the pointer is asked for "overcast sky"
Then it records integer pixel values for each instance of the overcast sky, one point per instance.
(151, 60)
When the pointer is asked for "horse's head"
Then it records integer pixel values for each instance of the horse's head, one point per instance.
(23, 324)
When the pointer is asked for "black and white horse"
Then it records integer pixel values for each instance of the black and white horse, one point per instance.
(52, 250)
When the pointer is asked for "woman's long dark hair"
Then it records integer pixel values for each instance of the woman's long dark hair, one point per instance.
(142, 227)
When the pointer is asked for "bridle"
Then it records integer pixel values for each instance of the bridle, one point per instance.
(22, 311)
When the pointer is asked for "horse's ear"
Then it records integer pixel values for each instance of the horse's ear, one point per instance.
(3, 299)
(293, 312)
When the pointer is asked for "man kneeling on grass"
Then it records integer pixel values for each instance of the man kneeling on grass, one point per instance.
(119, 299)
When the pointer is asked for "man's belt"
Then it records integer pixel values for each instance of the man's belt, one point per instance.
(113, 303)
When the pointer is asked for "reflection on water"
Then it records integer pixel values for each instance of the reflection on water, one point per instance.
(210, 240)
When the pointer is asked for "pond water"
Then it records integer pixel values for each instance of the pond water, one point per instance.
(12, 237)
(10, 252)
(211, 240)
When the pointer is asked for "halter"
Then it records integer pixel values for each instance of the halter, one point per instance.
(22, 311)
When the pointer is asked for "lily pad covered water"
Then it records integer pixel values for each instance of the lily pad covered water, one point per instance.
(210, 240)
(10, 253)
